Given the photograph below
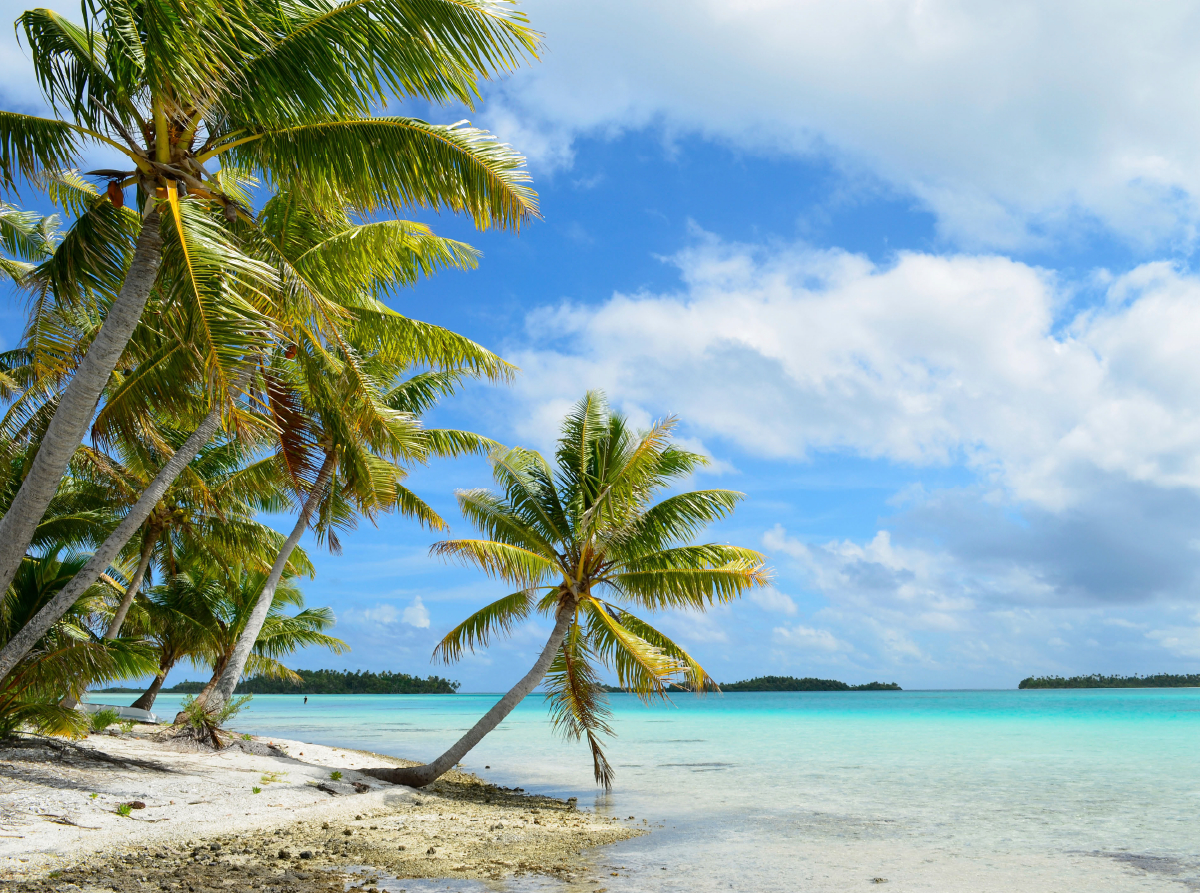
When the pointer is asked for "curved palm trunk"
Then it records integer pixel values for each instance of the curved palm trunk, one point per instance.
(146, 700)
(131, 591)
(20, 644)
(77, 406)
(249, 635)
(420, 776)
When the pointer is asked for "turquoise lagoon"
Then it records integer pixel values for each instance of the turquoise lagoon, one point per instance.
(827, 791)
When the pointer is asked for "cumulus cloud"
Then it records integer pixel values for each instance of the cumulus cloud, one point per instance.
(417, 614)
(1011, 121)
(786, 352)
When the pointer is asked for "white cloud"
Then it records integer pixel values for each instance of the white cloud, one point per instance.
(417, 614)
(1009, 120)
(806, 638)
(772, 600)
(785, 351)
(380, 615)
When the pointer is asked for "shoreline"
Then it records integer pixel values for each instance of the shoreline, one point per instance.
(201, 824)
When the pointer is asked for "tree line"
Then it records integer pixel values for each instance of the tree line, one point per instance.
(1158, 680)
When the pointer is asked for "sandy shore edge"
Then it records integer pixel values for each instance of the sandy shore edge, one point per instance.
(197, 821)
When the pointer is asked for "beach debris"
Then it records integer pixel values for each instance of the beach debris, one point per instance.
(879, 880)
(431, 851)
(136, 804)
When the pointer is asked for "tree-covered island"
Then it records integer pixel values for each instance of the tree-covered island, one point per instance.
(331, 682)
(1158, 680)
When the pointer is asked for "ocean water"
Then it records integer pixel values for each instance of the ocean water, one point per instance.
(943, 791)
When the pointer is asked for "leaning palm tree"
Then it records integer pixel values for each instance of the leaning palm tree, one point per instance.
(584, 544)
(281, 91)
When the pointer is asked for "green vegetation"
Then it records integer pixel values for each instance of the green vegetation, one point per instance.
(1159, 680)
(208, 338)
(580, 540)
(124, 809)
(324, 682)
(807, 683)
(335, 775)
(207, 721)
(332, 682)
(102, 719)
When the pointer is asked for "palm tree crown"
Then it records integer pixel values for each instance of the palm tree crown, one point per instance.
(586, 543)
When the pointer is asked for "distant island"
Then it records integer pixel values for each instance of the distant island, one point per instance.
(1159, 680)
(808, 683)
(326, 682)
(785, 683)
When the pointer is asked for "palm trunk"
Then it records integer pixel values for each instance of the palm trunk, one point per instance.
(245, 642)
(131, 590)
(76, 408)
(206, 692)
(114, 627)
(146, 701)
(420, 776)
(20, 644)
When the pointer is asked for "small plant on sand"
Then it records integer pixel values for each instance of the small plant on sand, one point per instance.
(205, 723)
(126, 726)
(256, 790)
(335, 775)
(271, 777)
(246, 736)
(102, 719)
(124, 809)
(93, 796)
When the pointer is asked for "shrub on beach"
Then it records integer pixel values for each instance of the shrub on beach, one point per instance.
(102, 719)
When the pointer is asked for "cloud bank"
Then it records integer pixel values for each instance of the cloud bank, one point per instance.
(1013, 122)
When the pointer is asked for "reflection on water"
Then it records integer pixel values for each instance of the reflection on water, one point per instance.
(827, 791)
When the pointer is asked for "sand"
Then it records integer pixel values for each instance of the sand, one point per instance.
(198, 823)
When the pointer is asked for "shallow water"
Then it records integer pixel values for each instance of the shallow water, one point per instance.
(941, 791)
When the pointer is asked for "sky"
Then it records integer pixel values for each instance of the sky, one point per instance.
(917, 276)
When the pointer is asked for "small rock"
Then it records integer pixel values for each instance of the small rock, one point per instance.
(430, 851)
(403, 847)
(306, 854)
(284, 854)
(358, 818)
(214, 847)
(347, 832)
(136, 804)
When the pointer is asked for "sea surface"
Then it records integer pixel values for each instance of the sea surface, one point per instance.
(1012, 791)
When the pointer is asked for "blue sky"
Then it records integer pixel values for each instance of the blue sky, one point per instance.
(917, 277)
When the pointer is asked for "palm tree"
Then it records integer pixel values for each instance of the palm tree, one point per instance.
(578, 541)
(66, 659)
(232, 596)
(283, 92)
(362, 433)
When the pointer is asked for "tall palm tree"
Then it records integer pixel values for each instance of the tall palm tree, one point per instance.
(583, 542)
(281, 91)
(362, 433)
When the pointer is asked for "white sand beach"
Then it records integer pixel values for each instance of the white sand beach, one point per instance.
(196, 820)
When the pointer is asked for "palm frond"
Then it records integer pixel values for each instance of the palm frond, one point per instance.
(495, 620)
